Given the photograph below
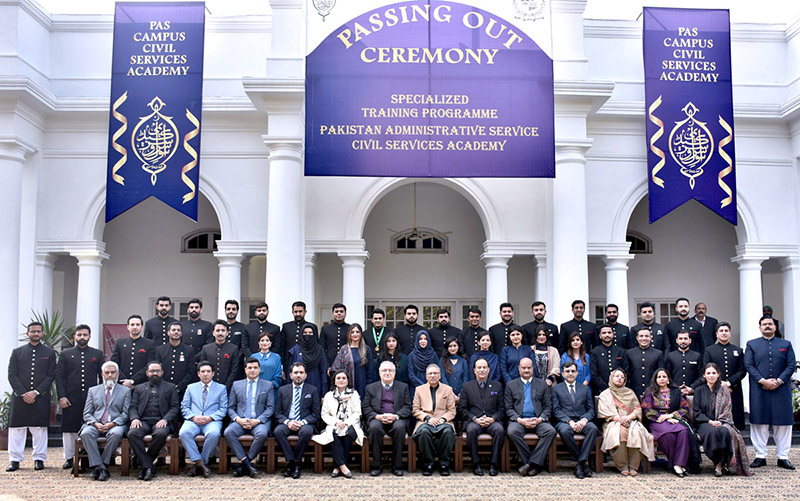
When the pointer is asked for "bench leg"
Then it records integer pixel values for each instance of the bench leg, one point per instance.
(172, 447)
(412, 455)
(598, 456)
(125, 448)
(551, 458)
(459, 459)
(223, 456)
(317, 458)
(270, 455)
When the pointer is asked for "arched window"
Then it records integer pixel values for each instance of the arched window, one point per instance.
(420, 240)
(201, 241)
(640, 244)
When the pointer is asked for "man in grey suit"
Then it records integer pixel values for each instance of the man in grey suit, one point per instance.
(250, 406)
(573, 407)
(386, 408)
(527, 403)
(105, 414)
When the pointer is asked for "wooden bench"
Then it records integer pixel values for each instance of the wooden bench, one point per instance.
(484, 448)
(410, 452)
(560, 448)
(225, 453)
(313, 450)
(80, 452)
(170, 450)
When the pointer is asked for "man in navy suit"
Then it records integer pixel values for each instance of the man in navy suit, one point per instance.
(250, 407)
(573, 407)
(481, 407)
(204, 405)
(297, 409)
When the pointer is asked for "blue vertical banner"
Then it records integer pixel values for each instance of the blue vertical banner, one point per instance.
(156, 106)
(689, 109)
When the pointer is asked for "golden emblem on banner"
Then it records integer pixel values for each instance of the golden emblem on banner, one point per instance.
(117, 134)
(154, 140)
(655, 137)
(691, 144)
(727, 170)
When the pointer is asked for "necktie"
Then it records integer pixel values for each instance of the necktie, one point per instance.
(205, 395)
(295, 412)
(104, 419)
(483, 385)
(250, 399)
(387, 387)
(572, 393)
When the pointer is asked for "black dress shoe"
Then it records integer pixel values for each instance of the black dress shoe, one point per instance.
(104, 475)
(287, 472)
(38, 464)
(238, 471)
(336, 474)
(68, 464)
(535, 470)
(758, 463)
(375, 473)
(13, 466)
(428, 471)
(203, 468)
(142, 471)
(785, 463)
(251, 470)
(96, 473)
(679, 474)
(296, 472)
(587, 472)
(477, 470)
(524, 469)
(159, 462)
(579, 472)
(193, 471)
(444, 471)
(493, 471)
(349, 474)
(150, 474)
(397, 473)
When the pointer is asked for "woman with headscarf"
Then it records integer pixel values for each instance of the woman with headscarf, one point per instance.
(546, 361)
(722, 442)
(419, 359)
(341, 413)
(390, 351)
(623, 432)
(310, 353)
(487, 353)
(355, 358)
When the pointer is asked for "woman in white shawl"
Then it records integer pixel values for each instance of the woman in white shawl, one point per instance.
(341, 412)
(623, 432)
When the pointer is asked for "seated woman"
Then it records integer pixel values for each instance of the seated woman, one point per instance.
(418, 361)
(355, 358)
(390, 351)
(486, 353)
(309, 351)
(271, 369)
(546, 362)
(454, 366)
(512, 354)
(722, 442)
(341, 413)
(576, 352)
(668, 412)
(623, 433)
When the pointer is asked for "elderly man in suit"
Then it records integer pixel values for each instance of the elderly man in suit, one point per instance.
(481, 407)
(434, 408)
(251, 403)
(105, 414)
(154, 408)
(386, 408)
(203, 407)
(528, 403)
(297, 410)
(573, 408)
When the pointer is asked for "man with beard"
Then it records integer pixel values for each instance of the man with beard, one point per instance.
(642, 363)
(177, 360)
(539, 310)
(709, 324)
(156, 328)
(292, 331)
(586, 329)
(657, 332)
(501, 330)
(153, 410)
(472, 334)
(605, 358)
(78, 369)
(196, 331)
(334, 335)
(768, 312)
(297, 411)
(684, 322)
(224, 357)
(259, 325)
(443, 332)
(684, 365)
(236, 329)
(131, 354)
(374, 335)
(730, 360)
(407, 333)
(622, 334)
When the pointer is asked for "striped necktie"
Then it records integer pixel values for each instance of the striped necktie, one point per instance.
(294, 415)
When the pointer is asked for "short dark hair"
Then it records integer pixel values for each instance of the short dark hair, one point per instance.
(764, 317)
(612, 305)
(568, 364)
(132, 317)
(683, 331)
(155, 362)
(682, 299)
(203, 363)
(195, 300)
(506, 305)
(605, 325)
(299, 304)
(233, 302)
(538, 303)
(442, 311)
(646, 304)
(379, 312)
(475, 309)
(220, 322)
(34, 324)
(410, 307)
(163, 298)
(261, 304)
(578, 301)
(338, 305)
(723, 324)
(297, 364)
(175, 323)
(82, 327)
(252, 360)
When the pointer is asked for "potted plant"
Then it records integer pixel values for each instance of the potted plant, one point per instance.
(5, 410)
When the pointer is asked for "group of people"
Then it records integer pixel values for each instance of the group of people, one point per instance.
(677, 385)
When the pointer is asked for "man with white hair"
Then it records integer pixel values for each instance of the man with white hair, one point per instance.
(105, 414)
(386, 407)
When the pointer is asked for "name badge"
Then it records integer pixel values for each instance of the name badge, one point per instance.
(693, 362)
(181, 359)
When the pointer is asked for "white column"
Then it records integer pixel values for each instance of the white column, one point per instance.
(751, 301)
(12, 160)
(310, 296)
(43, 282)
(353, 285)
(569, 261)
(617, 284)
(90, 267)
(790, 271)
(230, 280)
(496, 285)
(285, 242)
(540, 261)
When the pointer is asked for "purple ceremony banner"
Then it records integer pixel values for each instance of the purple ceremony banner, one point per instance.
(689, 107)
(429, 89)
